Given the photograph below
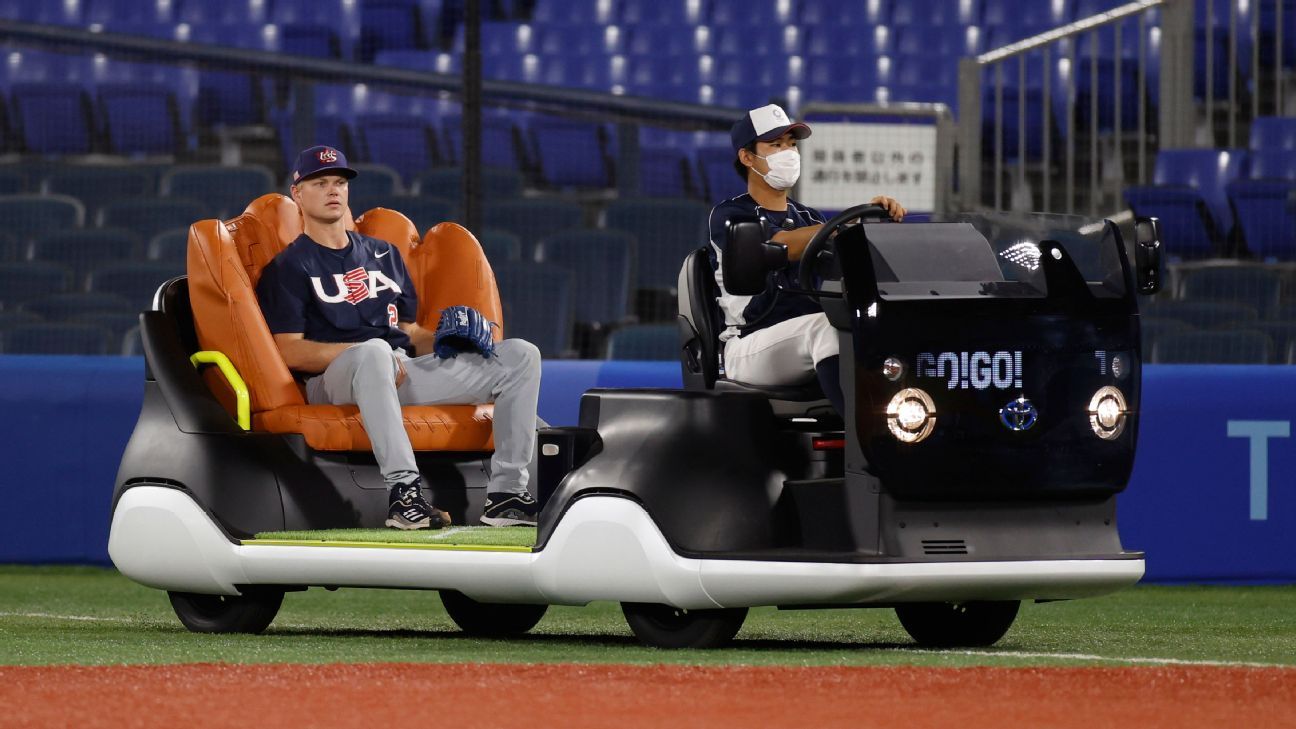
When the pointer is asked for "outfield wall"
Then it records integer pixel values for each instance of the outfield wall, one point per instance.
(1212, 498)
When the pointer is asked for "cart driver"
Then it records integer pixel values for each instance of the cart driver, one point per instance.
(776, 337)
(341, 307)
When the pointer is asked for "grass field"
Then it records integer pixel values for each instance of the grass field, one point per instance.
(64, 615)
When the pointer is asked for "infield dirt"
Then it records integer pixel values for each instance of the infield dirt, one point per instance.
(466, 696)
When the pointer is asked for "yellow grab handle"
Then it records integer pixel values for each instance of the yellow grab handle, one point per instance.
(232, 376)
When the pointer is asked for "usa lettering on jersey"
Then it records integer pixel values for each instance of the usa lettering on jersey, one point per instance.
(354, 286)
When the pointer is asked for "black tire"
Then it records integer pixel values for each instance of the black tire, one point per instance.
(663, 626)
(250, 612)
(958, 624)
(489, 619)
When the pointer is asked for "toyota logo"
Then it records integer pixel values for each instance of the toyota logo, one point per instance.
(1018, 415)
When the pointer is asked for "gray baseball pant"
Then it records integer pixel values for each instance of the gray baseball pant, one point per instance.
(365, 375)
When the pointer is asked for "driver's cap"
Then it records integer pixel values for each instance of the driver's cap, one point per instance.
(765, 124)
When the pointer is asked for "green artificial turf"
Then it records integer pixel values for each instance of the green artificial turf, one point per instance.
(61, 615)
(461, 536)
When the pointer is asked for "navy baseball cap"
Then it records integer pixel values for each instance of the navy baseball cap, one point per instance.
(765, 125)
(320, 159)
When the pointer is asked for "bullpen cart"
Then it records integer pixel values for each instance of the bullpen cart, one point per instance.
(991, 369)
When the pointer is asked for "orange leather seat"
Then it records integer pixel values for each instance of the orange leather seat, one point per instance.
(225, 260)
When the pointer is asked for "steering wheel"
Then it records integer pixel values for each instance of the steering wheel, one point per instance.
(810, 256)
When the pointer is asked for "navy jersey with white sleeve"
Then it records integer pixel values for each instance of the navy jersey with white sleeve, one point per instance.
(353, 294)
(743, 314)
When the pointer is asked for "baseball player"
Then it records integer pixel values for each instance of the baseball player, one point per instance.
(341, 307)
(776, 337)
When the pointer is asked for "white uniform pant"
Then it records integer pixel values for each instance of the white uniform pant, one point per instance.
(365, 375)
(782, 354)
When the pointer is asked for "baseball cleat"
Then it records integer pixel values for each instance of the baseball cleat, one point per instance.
(509, 509)
(409, 510)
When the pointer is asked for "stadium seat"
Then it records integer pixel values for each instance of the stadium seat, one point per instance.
(500, 246)
(948, 43)
(389, 25)
(12, 182)
(406, 144)
(1272, 133)
(1266, 205)
(572, 154)
(502, 144)
(666, 173)
(425, 212)
(672, 13)
(603, 262)
(579, 40)
(227, 98)
(447, 183)
(328, 28)
(653, 71)
(531, 219)
(140, 120)
(84, 250)
(56, 338)
(98, 185)
(498, 38)
(538, 300)
(717, 171)
(1282, 333)
(1236, 347)
(645, 342)
(644, 39)
(1188, 195)
(1255, 286)
(147, 218)
(28, 216)
(10, 249)
(135, 11)
(118, 323)
(223, 191)
(374, 179)
(22, 282)
(666, 231)
(573, 11)
(1012, 13)
(1154, 327)
(934, 12)
(168, 246)
(135, 282)
(11, 319)
(63, 307)
(1201, 314)
(820, 13)
(34, 104)
(761, 40)
(221, 12)
(43, 12)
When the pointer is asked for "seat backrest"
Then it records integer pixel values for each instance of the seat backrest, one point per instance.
(603, 261)
(450, 269)
(700, 322)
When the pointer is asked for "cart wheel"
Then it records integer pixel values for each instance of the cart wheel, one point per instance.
(663, 626)
(250, 612)
(957, 624)
(488, 619)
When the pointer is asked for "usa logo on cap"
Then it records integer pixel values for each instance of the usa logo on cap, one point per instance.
(328, 156)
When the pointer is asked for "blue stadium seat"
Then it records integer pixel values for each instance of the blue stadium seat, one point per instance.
(648, 71)
(224, 191)
(666, 173)
(499, 39)
(1152, 328)
(327, 28)
(531, 219)
(28, 216)
(935, 12)
(1087, 8)
(821, 13)
(715, 165)
(10, 250)
(84, 250)
(169, 246)
(424, 212)
(1269, 33)
(1270, 133)
(447, 183)
(846, 44)
(1281, 333)
(666, 231)
(221, 12)
(1013, 13)
(768, 72)
(43, 12)
(44, 67)
(752, 13)
(63, 307)
(1201, 314)
(573, 11)
(1236, 347)
(642, 39)
(1188, 195)
(502, 145)
(417, 60)
(12, 182)
(756, 40)
(1221, 51)
(141, 120)
(949, 42)
(22, 282)
(603, 262)
(678, 14)
(407, 144)
(572, 153)
(56, 338)
(34, 104)
(135, 282)
(118, 323)
(389, 25)
(229, 98)
(595, 72)
(1259, 287)
(1266, 205)
(98, 185)
(149, 217)
(134, 11)
(579, 39)
(851, 76)
(500, 246)
(537, 302)
(11, 319)
(374, 179)
(645, 342)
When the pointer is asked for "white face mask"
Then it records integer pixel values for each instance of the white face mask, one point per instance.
(784, 169)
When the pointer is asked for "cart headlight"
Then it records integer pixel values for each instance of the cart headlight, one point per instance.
(911, 415)
(1107, 413)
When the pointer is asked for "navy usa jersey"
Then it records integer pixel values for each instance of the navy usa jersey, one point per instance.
(355, 294)
(743, 314)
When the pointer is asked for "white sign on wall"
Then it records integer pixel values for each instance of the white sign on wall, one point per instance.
(844, 164)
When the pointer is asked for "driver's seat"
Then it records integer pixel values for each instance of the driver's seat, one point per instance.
(700, 324)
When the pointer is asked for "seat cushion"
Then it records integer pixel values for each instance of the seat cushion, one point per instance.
(339, 427)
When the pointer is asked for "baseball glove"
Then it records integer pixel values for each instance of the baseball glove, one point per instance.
(463, 329)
